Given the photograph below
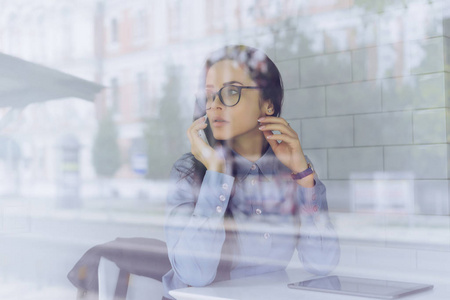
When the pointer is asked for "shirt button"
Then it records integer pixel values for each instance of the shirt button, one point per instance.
(225, 186)
(315, 208)
(253, 167)
(219, 209)
(253, 181)
(222, 198)
(258, 211)
(266, 235)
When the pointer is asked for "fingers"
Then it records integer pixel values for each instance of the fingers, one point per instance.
(282, 137)
(277, 124)
(197, 125)
(272, 142)
(276, 120)
(281, 128)
(287, 134)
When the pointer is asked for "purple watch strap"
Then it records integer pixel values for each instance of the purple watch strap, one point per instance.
(303, 174)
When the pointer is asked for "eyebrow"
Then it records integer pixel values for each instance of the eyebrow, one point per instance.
(231, 82)
(225, 83)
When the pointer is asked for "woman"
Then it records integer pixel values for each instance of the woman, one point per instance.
(242, 203)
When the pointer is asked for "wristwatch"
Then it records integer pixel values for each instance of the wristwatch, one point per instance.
(303, 174)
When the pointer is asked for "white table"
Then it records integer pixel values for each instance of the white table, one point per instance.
(273, 286)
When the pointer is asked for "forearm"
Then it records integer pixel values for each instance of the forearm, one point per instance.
(194, 251)
(318, 245)
(195, 231)
(318, 248)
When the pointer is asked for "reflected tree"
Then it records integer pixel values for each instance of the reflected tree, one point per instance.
(106, 152)
(164, 135)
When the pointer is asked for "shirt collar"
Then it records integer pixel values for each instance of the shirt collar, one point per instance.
(266, 164)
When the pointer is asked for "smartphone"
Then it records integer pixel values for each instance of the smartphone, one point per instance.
(201, 132)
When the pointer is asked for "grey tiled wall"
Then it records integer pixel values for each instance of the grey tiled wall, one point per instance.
(368, 89)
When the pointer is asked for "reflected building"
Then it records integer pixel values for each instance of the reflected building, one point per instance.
(366, 87)
(366, 82)
(57, 35)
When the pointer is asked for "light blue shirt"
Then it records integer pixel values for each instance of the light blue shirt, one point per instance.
(273, 216)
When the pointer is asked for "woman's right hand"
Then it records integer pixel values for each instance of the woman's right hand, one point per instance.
(213, 160)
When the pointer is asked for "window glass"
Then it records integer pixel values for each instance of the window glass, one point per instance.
(96, 99)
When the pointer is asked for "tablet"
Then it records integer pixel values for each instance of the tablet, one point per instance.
(374, 288)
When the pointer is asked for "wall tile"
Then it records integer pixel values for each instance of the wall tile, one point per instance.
(339, 40)
(447, 90)
(390, 27)
(358, 32)
(304, 103)
(446, 26)
(380, 62)
(354, 98)
(296, 125)
(266, 43)
(338, 195)
(325, 69)
(447, 117)
(430, 126)
(447, 53)
(366, 34)
(360, 229)
(298, 43)
(418, 232)
(422, 161)
(383, 129)
(382, 193)
(426, 56)
(432, 197)
(327, 132)
(320, 161)
(289, 70)
(424, 91)
(354, 162)
(290, 23)
(424, 20)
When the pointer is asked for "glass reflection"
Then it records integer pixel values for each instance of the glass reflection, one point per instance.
(365, 89)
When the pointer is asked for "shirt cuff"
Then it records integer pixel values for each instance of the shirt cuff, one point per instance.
(214, 194)
(311, 198)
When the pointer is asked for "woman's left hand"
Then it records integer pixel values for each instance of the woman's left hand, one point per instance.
(289, 150)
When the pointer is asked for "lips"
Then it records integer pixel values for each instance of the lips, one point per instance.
(218, 121)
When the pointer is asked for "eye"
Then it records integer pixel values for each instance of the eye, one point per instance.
(232, 91)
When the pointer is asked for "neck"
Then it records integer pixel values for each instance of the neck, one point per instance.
(252, 148)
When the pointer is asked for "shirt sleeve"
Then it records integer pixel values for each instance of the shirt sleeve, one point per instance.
(318, 245)
(194, 226)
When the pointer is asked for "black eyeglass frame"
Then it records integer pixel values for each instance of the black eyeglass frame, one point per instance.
(219, 93)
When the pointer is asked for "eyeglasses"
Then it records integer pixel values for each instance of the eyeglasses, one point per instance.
(229, 95)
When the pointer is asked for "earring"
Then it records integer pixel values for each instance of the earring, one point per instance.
(269, 110)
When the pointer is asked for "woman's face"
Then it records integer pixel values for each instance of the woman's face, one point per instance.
(241, 120)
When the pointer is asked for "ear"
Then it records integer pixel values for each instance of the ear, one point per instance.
(268, 108)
